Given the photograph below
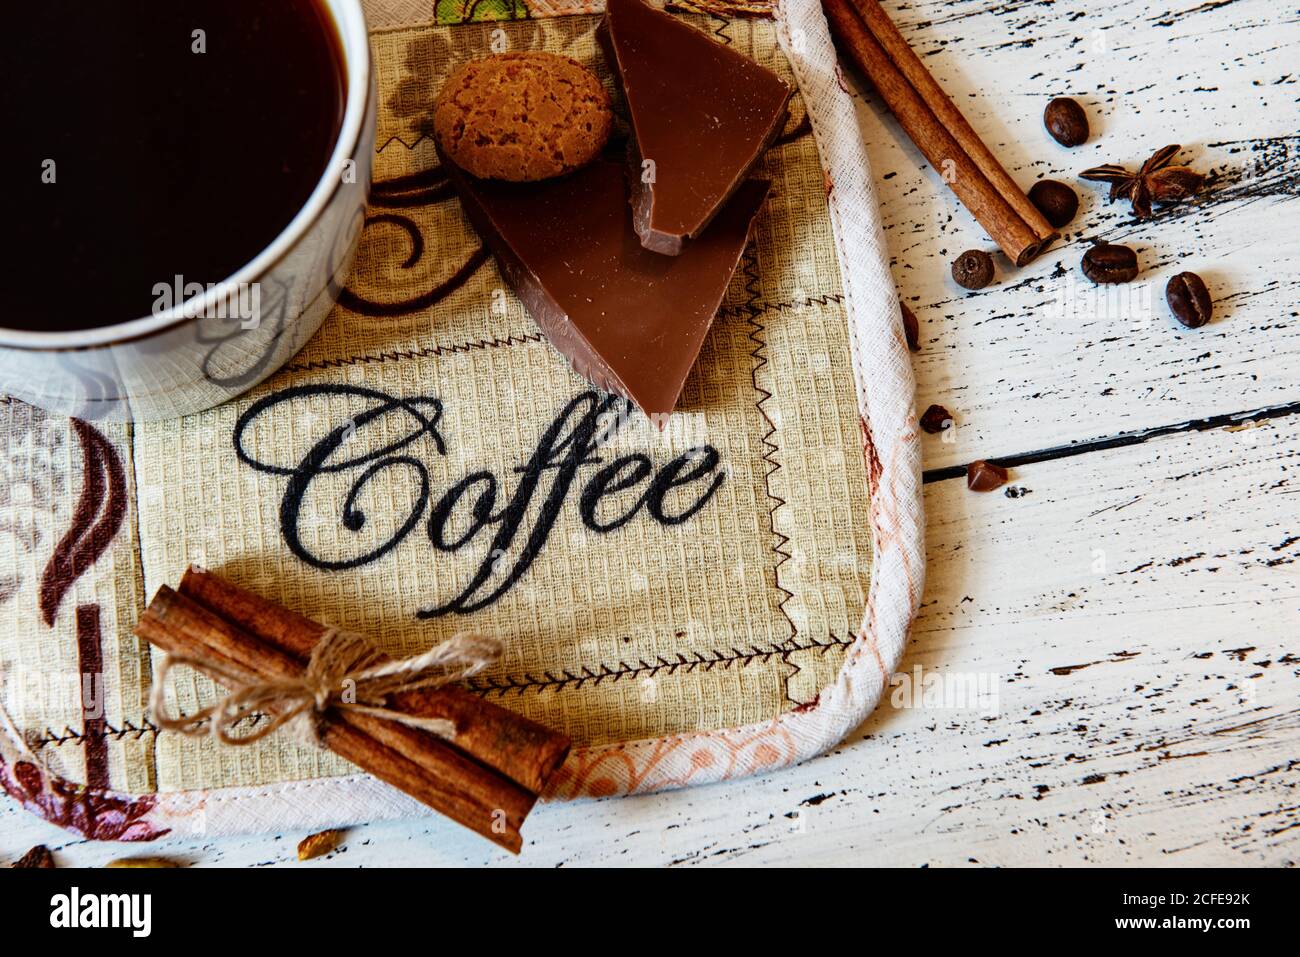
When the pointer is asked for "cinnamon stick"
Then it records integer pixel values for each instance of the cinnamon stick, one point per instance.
(865, 33)
(526, 752)
(413, 761)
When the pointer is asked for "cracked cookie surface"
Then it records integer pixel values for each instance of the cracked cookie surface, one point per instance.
(522, 116)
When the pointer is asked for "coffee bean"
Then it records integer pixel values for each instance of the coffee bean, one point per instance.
(911, 329)
(984, 476)
(1066, 121)
(936, 419)
(1189, 300)
(1056, 201)
(973, 269)
(1107, 263)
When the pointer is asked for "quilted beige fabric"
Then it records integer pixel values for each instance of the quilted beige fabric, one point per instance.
(444, 390)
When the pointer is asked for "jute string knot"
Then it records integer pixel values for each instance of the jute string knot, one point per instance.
(345, 673)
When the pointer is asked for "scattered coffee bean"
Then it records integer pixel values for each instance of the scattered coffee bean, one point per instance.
(1056, 201)
(973, 269)
(984, 476)
(38, 857)
(936, 419)
(911, 329)
(1109, 263)
(1066, 121)
(1189, 300)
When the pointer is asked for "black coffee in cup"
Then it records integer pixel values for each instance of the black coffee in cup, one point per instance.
(153, 139)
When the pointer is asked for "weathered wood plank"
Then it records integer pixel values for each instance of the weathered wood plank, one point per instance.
(1135, 612)
(1037, 360)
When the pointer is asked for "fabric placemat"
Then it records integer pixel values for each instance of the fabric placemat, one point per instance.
(724, 591)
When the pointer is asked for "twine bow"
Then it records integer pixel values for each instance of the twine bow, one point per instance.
(345, 673)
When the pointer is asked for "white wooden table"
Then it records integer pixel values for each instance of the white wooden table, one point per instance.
(1136, 592)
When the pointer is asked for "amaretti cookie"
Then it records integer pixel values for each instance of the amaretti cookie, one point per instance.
(522, 116)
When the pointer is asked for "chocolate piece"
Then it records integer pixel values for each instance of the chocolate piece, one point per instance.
(630, 321)
(701, 113)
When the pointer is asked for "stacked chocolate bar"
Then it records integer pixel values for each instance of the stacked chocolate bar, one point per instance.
(623, 265)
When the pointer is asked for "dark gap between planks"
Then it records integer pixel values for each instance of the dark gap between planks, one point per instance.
(1117, 441)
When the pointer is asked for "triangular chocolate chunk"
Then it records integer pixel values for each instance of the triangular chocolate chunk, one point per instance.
(630, 321)
(702, 114)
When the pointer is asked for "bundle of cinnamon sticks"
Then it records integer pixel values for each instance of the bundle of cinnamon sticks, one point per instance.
(487, 777)
(868, 37)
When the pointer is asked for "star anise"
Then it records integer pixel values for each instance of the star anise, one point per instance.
(1157, 180)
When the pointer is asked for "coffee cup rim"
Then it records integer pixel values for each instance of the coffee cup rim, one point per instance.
(350, 21)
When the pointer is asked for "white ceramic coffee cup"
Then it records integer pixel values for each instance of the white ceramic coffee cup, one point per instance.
(208, 349)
